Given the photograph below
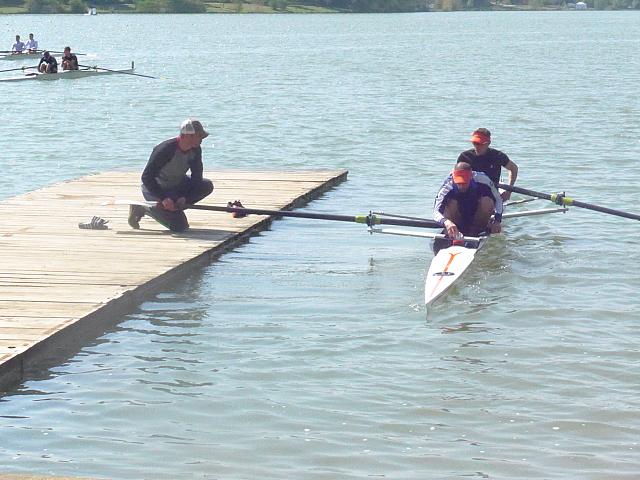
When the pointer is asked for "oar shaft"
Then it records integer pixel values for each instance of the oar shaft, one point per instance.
(57, 51)
(366, 219)
(16, 69)
(118, 71)
(568, 201)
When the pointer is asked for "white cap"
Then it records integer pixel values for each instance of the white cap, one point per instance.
(193, 127)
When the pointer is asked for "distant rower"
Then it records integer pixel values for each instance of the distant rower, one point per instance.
(48, 64)
(69, 60)
(17, 47)
(32, 44)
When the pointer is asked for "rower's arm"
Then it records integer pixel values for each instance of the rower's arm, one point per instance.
(160, 156)
(196, 166)
(513, 172)
(439, 202)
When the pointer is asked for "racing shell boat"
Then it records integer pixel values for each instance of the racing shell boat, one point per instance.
(21, 56)
(68, 74)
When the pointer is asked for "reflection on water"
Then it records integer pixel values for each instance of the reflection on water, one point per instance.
(466, 327)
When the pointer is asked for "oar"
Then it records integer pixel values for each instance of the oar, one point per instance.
(408, 233)
(54, 51)
(561, 199)
(14, 69)
(118, 71)
(40, 51)
(370, 219)
(519, 202)
(26, 52)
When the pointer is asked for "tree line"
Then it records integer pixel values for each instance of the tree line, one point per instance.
(200, 6)
(353, 6)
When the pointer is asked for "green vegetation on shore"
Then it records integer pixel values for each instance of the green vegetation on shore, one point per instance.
(297, 6)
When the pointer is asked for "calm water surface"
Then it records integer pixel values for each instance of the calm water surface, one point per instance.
(307, 353)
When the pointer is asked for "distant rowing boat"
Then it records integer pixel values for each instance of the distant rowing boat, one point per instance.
(68, 74)
(21, 56)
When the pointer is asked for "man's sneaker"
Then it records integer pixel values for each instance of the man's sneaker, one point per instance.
(136, 212)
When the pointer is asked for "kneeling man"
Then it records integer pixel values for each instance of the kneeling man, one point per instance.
(165, 179)
(466, 203)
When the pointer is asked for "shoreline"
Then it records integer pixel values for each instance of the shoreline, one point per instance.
(121, 11)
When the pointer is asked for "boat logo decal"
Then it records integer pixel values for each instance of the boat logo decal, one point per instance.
(443, 274)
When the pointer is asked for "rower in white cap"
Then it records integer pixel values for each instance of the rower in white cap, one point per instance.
(165, 178)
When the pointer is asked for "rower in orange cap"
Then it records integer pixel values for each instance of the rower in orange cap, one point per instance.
(483, 158)
(468, 203)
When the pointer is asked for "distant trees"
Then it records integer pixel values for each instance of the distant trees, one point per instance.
(362, 6)
(370, 6)
(54, 6)
(44, 6)
(170, 6)
(279, 4)
(358, 6)
(77, 6)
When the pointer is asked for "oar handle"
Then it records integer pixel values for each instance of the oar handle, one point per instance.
(562, 199)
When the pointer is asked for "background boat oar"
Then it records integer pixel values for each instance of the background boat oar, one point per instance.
(117, 71)
(370, 219)
(15, 69)
(561, 199)
(56, 51)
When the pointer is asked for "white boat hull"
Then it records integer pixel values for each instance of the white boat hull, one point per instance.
(21, 56)
(446, 268)
(66, 74)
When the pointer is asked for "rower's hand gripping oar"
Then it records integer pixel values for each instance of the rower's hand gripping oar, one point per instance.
(562, 199)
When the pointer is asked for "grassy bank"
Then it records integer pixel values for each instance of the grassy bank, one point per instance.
(5, 10)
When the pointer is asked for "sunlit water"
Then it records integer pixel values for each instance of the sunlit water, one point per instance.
(307, 353)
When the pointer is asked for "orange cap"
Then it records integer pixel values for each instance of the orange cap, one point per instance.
(462, 176)
(480, 137)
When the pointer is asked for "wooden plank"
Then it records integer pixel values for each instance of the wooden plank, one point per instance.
(57, 279)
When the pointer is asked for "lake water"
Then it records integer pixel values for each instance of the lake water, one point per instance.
(307, 353)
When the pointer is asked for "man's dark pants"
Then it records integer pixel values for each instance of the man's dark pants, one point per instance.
(193, 191)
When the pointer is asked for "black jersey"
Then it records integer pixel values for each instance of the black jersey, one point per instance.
(53, 63)
(490, 163)
(72, 59)
(168, 165)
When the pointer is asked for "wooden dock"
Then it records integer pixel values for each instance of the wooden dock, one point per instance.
(59, 282)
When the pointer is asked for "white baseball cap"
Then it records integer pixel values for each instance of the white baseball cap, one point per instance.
(193, 127)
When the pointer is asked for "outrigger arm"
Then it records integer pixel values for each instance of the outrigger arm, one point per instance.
(562, 199)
